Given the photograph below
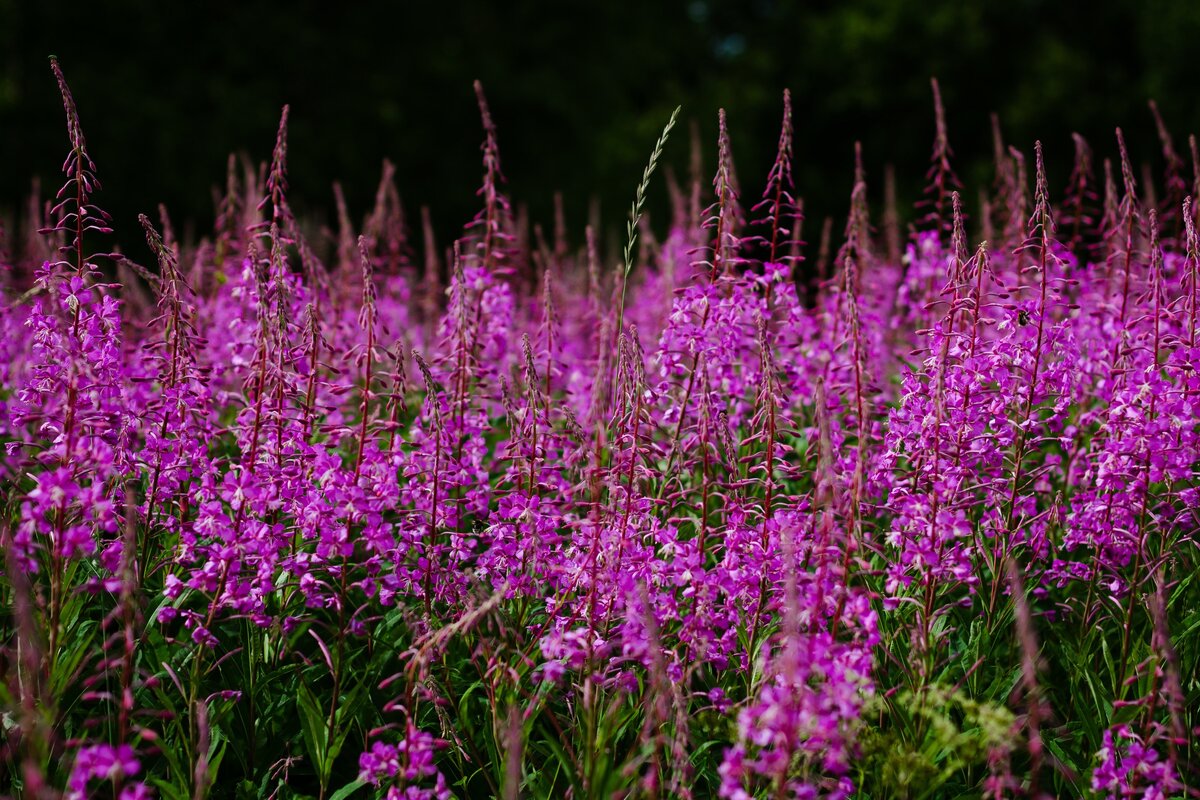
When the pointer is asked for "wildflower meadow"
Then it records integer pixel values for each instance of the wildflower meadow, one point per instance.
(723, 503)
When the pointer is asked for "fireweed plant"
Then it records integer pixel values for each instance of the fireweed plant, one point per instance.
(298, 513)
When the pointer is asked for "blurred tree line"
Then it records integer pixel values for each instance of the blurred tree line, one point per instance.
(579, 92)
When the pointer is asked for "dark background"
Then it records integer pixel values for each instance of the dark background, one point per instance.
(579, 92)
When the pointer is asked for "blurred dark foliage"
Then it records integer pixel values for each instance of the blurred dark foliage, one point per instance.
(579, 91)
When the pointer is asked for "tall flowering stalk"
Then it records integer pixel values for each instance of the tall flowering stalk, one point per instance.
(1079, 214)
(782, 216)
(74, 398)
(941, 180)
(176, 429)
(494, 218)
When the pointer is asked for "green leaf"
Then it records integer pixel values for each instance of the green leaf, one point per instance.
(313, 727)
(343, 721)
(347, 790)
(74, 646)
(170, 791)
(1056, 750)
(216, 751)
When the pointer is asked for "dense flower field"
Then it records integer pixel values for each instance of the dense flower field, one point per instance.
(297, 513)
